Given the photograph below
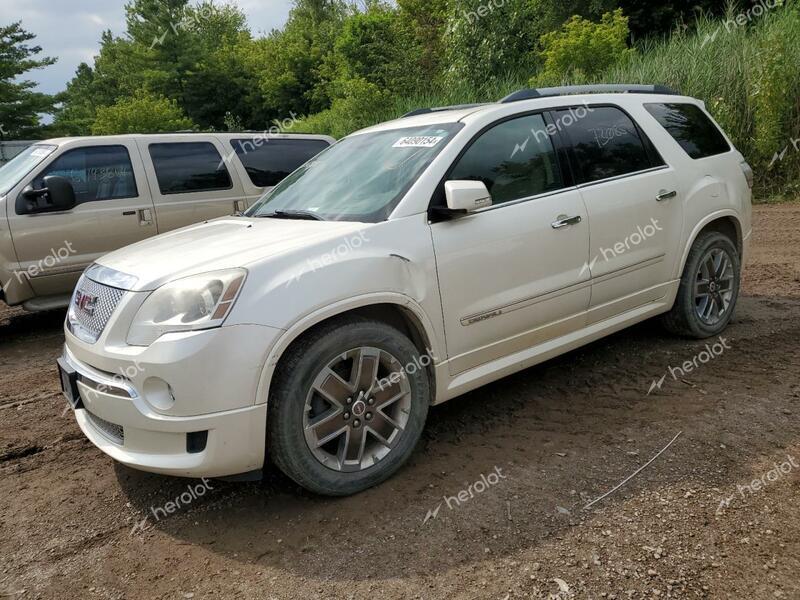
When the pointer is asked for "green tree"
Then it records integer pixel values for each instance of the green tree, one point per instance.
(20, 105)
(375, 47)
(582, 46)
(292, 78)
(142, 113)
(489, 39)
(426, 20)
(171, 49)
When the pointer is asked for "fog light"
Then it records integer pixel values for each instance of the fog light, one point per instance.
(158, 394)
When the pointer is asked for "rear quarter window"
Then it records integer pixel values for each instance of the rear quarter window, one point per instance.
(607, 143)
(268, 161)
(691, 128)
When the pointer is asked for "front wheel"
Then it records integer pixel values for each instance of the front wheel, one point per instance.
(708, 290)
(348, 406)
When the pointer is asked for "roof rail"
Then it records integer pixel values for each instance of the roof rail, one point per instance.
(425, 111)
(622, 88)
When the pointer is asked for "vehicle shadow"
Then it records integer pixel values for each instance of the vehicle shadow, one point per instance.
(19, 325)
(559, 435)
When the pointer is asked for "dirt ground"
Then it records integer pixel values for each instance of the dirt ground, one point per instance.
(714, 516)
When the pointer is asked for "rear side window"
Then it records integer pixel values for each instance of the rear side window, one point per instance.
(515, 160)
(269, 161)
(607, 143)
(184, 167)
(96, 173)
(691, 128)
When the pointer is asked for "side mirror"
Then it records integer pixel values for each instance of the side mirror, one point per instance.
(467, 196)
(56, 195)
(463, 197)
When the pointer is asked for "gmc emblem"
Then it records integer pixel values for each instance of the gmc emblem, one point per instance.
(85, 302)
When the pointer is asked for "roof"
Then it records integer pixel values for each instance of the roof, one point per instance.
(530, 100)
(182, 134)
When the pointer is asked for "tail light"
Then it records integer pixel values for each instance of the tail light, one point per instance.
(748, 173)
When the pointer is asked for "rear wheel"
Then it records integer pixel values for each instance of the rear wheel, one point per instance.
(348, 406)
(709, 288)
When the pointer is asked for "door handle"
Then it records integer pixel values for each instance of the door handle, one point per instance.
(665, 195)
(239, 206)
(128, 213)
(564, 220)
(145, 217)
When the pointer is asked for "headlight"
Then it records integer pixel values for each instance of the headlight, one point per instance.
(197, 302)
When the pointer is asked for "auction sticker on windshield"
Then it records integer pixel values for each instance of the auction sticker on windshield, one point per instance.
(418, 141)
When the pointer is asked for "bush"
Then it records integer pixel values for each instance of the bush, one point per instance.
(582, 46)
(141, 114)
(360, 104)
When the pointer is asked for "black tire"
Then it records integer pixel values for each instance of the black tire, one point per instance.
(287, 413)
(683, 319)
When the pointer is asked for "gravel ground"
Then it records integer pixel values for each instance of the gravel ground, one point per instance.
(712, 517)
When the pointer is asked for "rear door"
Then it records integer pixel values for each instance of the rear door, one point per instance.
(634, 200)
(190, 180)
(113, 209)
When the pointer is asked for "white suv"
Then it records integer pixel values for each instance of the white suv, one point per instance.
(406, 265)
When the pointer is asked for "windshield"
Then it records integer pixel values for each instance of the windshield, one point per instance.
(362, 178)
(23, 163)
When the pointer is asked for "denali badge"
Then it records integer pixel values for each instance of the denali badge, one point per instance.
(85, 302)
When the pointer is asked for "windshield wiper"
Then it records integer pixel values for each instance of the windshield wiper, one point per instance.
(292, 214)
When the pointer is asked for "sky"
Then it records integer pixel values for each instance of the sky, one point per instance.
(70, 29)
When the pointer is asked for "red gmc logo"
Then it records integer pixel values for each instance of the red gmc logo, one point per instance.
(85, 302)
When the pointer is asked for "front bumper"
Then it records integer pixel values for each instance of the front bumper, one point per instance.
(185, 406)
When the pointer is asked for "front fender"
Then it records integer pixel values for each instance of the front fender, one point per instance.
(304, 323)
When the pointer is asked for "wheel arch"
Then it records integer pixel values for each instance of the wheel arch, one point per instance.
(726, 222)
(394, 309)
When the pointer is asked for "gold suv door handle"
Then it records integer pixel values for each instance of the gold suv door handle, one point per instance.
(665, 195)
(564, 221)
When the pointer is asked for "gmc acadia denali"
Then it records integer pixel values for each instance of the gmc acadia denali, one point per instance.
(409, 263)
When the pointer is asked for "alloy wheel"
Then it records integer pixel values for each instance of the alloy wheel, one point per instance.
(356, 410)
(713, 288)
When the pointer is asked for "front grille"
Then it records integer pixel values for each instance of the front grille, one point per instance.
(88, 321)
(110, 430)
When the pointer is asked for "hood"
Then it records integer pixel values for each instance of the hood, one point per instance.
(226, 243)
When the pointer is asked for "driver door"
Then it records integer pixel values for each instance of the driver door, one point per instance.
(113, 209)
(513, 275)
